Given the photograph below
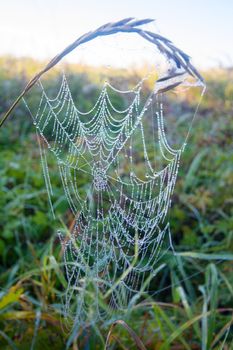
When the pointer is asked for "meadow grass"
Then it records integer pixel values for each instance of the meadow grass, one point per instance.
(190, 304)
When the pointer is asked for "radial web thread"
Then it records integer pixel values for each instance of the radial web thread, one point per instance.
(120, 230)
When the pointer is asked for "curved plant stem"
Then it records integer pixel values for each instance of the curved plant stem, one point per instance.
(127, 25)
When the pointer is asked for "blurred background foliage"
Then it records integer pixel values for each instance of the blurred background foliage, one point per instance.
(192, 308)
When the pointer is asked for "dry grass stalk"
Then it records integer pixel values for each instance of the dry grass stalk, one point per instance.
(127, 25)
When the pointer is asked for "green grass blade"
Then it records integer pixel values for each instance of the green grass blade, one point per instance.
(202, 256)
(179, 330)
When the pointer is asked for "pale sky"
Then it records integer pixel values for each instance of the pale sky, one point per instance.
(42, 28)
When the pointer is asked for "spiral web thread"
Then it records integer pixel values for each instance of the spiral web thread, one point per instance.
(120, 231)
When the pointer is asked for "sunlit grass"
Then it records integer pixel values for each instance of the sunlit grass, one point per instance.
(190, 304)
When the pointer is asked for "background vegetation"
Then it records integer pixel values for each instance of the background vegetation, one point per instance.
(192, 308)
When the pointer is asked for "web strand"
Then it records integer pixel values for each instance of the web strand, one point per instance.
(120, 232)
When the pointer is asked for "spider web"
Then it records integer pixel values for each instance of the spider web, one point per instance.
(120, 232)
